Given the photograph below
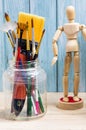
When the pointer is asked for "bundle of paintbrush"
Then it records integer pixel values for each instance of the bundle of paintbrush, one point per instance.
(27, 39)
(26, 43)
(32, 35)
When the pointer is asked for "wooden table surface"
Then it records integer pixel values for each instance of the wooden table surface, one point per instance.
(55, 119)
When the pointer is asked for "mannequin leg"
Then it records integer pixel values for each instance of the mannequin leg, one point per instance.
(76, 75)
(67, 63)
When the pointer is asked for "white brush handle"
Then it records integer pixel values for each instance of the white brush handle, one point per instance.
(33, 43)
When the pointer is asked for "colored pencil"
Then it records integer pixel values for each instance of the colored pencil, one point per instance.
(27, 34)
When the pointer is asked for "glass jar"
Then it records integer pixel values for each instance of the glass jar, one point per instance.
(25, 91)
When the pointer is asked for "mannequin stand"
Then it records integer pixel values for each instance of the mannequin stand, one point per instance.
(71, 104)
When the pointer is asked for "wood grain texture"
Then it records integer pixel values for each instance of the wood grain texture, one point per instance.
(80, 16)
(2, 44)
(62, 4)
(13, 8)
(47, 9)
(54, 13)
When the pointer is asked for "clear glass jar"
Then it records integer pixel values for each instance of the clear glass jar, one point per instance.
(25, 91)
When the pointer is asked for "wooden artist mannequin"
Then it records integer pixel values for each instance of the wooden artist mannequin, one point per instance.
(71, 30)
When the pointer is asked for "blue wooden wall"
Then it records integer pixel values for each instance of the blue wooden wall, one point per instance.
(54, 13)
(81, 18)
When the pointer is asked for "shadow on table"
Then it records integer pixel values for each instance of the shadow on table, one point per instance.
(2, 114)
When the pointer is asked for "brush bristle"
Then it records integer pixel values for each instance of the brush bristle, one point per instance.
(22, 26)
(32, 23)
(38, 25)
(7, 17)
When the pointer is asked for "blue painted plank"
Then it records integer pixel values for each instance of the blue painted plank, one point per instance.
(61, 14)
(13, 7)
(62, 4)
(1, 45)
(80, 16)
(54, 13)
(47, 9)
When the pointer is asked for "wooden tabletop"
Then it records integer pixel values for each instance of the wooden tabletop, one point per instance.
(55, 119)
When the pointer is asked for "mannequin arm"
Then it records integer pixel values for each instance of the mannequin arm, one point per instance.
(83, 30)
(55, 51)
(54, 45)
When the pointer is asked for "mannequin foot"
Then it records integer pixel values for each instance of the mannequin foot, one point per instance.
(65, 99)
(76, 98)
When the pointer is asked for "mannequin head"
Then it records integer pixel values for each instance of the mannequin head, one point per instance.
(70, 12)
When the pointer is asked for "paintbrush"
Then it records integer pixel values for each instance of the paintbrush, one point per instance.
(29, 54)
(11, 42)
(37, 50)
(7, 18)
(33, 42)
(38, 46)
(21, 52)
(38, 24)
(19, 92)
(8, 27)
(11, 33)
